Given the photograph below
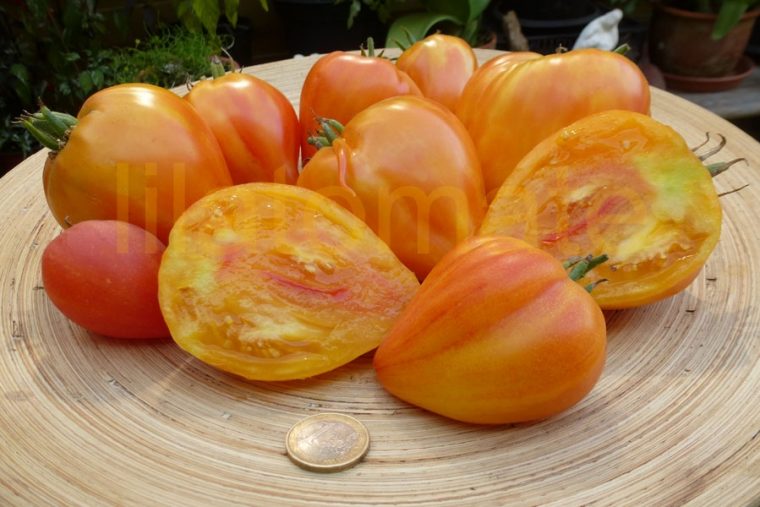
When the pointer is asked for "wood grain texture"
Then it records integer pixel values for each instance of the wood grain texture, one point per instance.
(674, 420)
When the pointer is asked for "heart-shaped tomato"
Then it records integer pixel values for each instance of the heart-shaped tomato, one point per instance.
(497, 333)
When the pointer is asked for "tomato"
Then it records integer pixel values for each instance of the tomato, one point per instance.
(276, 282)
(440, 65)
(340, 85)
(467, 107)
(138, 153)
(255, 124)
(103, 275)
(520, 107)
(407, 167)
(498, 333)
(622, 184)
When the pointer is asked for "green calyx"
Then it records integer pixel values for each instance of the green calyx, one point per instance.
(717, 167)
(50, 128)
(217, 67)
(580, 266)
(369, 51)
(622, 49)
(329, 131)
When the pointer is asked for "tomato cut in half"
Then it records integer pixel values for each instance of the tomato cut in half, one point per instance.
(276, 282)
(616, 183)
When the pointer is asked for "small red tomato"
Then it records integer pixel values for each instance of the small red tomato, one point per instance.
(440, 65)
(497, 333)
(340, 85)
(255, 124)
(103, 275)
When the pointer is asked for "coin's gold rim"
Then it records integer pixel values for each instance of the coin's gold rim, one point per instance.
(358, 426)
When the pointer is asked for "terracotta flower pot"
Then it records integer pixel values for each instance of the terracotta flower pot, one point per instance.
(680, 42)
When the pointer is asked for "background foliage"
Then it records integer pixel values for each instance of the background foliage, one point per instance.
(61, 51)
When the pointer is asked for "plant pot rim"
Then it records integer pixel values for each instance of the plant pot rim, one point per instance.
(704, 16)
(699, 84)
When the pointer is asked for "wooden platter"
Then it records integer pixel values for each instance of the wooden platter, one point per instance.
(675, 418)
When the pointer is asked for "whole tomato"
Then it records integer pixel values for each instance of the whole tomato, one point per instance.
(276, 282)
(255, 124)
(617, 183)
(520, 107)
(407, 167)
(137, 153)
(103, 275)
(341, 84)
(467, 107)
(440, 65)
(497, 333)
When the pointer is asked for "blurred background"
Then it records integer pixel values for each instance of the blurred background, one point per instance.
(60, 52)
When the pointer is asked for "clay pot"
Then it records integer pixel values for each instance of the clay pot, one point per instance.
(680, 42)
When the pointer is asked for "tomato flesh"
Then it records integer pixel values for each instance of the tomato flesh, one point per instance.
(622, 184)
(275, 282)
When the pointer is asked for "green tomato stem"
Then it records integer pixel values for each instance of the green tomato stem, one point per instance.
(45, 139)
(57, 127)
(217, 67)
(50, 128)
(329, 131)
(719, 167)
(581, 267)
(370, 51)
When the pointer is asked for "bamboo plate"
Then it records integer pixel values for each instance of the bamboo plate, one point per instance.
(675, 418)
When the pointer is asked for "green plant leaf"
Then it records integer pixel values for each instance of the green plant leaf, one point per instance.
(98, 78)
(264, 5)
(463, 10)
(417, 24)
(729, 15)
(85, 82)
(353, 10)
(21, 86)
(20, 72)
(477, 7)
(470, 32)
(458, 9)
(207, 12)
(231, 11)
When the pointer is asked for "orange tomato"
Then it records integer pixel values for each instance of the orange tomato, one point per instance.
(497, 333)
(255, 124)
(519, 108)
(440, 65)
(103, 275)
(340, 85)
(138, 153)
(468, 107)
(276, 282)
(617, 183)
(407, 167)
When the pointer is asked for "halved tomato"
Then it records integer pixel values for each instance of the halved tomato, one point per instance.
(616, 183)
(276, 282)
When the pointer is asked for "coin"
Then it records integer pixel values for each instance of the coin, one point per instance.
(327, 442)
